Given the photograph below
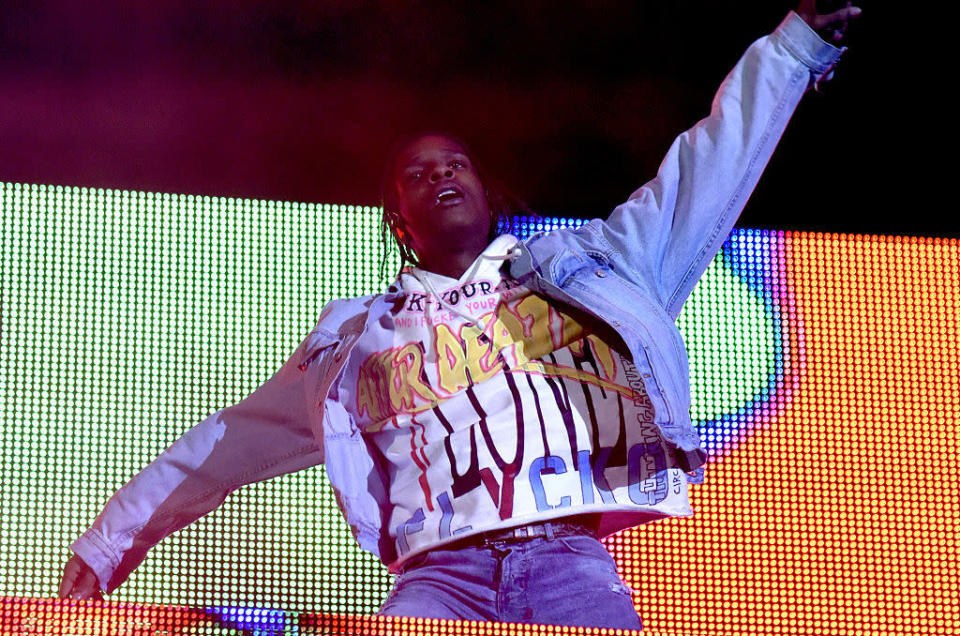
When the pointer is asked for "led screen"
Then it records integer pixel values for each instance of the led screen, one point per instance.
(825, 379)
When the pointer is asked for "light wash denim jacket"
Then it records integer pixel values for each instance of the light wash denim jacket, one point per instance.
(633, 271)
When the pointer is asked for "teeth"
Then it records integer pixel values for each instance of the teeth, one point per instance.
(447, 194)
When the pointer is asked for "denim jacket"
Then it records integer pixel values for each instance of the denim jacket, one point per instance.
(632, 271)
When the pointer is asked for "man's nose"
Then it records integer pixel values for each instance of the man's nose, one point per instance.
(441, 173)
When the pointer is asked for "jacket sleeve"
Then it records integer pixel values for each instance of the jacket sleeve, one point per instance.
(671, 228)
(267, 434)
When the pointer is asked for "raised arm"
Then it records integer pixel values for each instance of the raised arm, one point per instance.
(669, 229)
(266, 435)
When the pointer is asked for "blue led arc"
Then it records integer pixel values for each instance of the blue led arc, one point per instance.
(748, 254)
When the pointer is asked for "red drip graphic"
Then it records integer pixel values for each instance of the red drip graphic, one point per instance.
(492, 486)
(420, 459)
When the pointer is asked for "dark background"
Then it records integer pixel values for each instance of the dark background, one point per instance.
(571, 104)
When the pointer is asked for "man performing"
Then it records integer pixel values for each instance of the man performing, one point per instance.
(504, 404)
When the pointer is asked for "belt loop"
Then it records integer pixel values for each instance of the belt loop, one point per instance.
(549, 529)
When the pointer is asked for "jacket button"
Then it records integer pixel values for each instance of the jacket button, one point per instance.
(601, 273)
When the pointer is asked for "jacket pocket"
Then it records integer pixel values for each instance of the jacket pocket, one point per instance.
(567, 264)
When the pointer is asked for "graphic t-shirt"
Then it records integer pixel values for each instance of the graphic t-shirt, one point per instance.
(496, 408)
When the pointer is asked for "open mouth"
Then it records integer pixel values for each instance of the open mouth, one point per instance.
(449, 194)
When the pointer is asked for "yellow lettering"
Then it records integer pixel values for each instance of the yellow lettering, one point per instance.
(405, 381)
(570, 330)
(508, 337)
(482, 360)
(603, 355)
(366, 392)
(534, 314)
(451, 361)
(544, 368)
(372, 386)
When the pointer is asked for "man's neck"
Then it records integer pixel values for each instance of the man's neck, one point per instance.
(451, 264)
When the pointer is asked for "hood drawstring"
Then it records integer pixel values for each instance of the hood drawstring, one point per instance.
(511, 255)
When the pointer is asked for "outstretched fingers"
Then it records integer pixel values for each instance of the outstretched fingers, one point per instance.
(836, 18)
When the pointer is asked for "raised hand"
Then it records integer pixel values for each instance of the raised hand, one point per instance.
(833, 24)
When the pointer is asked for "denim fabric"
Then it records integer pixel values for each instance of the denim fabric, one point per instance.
(633, 271)
(565, 581)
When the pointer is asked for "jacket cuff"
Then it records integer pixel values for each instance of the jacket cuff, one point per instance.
(803, 43)
(95, 552)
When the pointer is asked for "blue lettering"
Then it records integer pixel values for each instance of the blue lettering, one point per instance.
(447, 508)
(444, 501)
(412, 525)
(603, 486)
(655, 489)
(552, 465)
(586, 478)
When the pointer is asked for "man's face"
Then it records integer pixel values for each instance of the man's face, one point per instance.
(441, 199)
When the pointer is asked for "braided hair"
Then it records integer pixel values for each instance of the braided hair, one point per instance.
(502, 203)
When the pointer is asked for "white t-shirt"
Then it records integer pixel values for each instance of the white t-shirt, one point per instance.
(534, 419)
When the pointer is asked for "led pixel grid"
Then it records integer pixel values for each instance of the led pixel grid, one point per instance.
(824, 372)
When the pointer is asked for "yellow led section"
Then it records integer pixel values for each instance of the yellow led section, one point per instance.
(840, 514)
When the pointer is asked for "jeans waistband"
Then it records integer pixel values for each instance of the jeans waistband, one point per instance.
(563, 527)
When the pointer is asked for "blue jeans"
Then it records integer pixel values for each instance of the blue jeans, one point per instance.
(568, 580)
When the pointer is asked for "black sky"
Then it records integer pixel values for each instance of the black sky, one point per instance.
(572, 104)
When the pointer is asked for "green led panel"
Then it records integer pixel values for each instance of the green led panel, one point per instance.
(129, 316)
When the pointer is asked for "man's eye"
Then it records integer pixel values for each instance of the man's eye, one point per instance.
(413, 176)
(456, 164)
